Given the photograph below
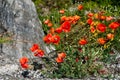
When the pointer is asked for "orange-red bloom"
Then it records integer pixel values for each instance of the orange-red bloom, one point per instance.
(25, 66)
(101, 41)
(62, 55)
(55, 39)
(46, 21)
(66, 26)
(48, 38)
(39, 53)
(34, 47)
(101, 27)
(52, 30)
(82, 41)
(62, 11)
(103, 17)
(80, 7)
(63, 18)
(76, 17)
(110, 36)
(90, 14)
(108, 18)
(59, 60)
(23, 62)
(89, 21)
(70, 19)
(58, 30)
(50, 24)
(114, 25)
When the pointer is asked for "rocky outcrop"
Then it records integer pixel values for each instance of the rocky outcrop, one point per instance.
(19, 20)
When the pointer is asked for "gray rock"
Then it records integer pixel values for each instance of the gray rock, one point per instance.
(19, 18)
(8, 69)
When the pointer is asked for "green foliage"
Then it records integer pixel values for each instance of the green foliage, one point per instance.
(76, 70)
(90, 59)
(51, 5)
(105, 2)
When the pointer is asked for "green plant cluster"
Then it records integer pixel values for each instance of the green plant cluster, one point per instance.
(71, 68)
(51, 5)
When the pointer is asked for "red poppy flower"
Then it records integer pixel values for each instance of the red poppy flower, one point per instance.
(101, 41)
(108, 18)
(55, 39)
(114, 25)
(52, 30)
(23, 62)
(82, 41)
(90, 14)
(46, 21)
(63, 18)
(48, 38)
(76, 17)
(50, 24)
(89, 21)
(110, 36)
(34, 47)
(101, 27)
(66, 26)
(62, 55)
(59, 60)
(103, 17)
(58, 30)
(39, 53)
(25, 66)
(62, 11)
(80, 7)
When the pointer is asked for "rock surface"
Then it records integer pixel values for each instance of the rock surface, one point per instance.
(19, 18)
(10, 70)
